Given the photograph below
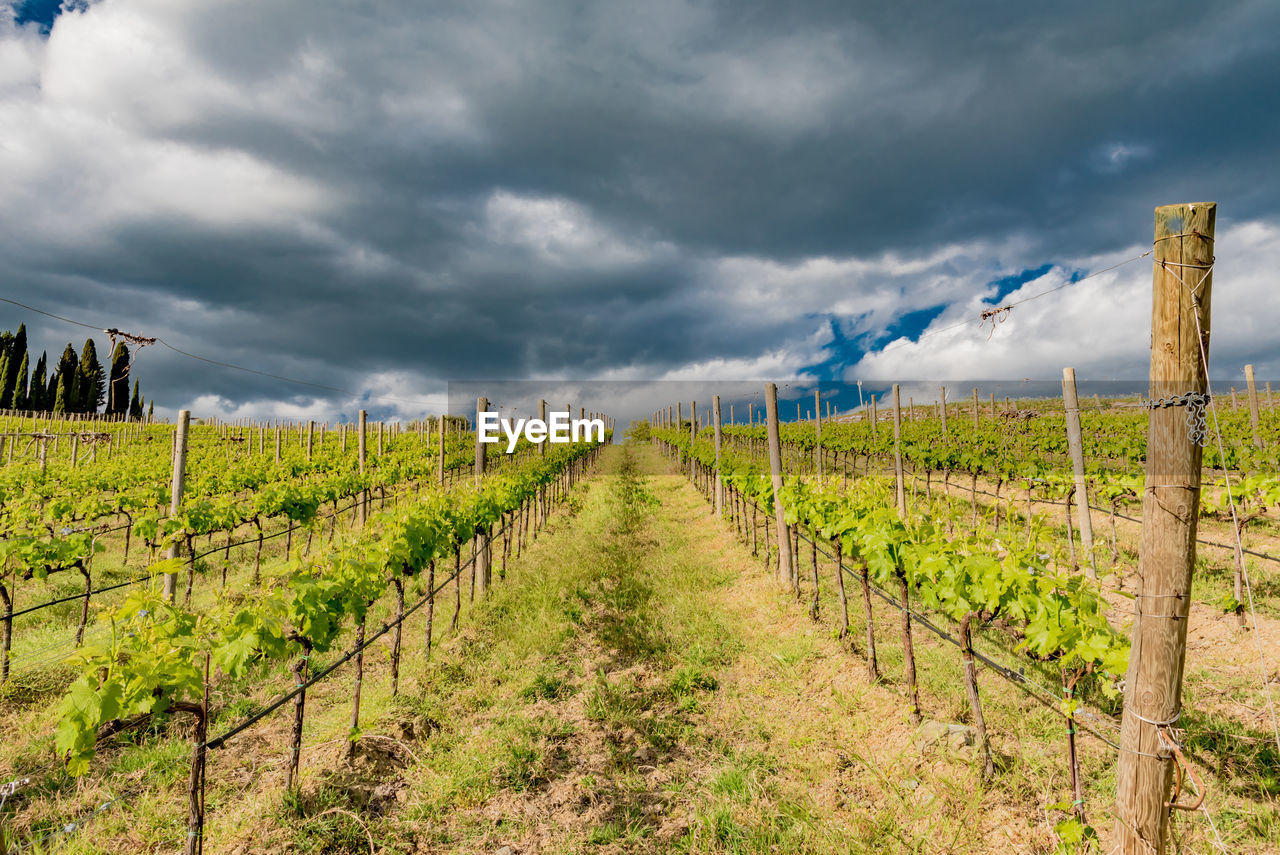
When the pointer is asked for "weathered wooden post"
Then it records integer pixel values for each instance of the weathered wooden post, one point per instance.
(775, 473)
(1182, 287)
(975, 407)
(175, 493)
(482, 538)
(1253, 405)
(897, 452)
(693, 434)
(942, 396)
(1076, 445)
(715, 414)
(817, 432)
(360, 452)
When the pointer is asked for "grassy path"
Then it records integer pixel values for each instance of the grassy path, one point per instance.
(643, 687)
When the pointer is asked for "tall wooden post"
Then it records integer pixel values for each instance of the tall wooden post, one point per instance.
(1076, 446)
(874, 417)
(482, 538)
(993, 406)
(693, 433)
(277, 440)
(1253, 404)
(942, 396)
(715, 414)
(360, 452)
(897, 451)
(175, 493)
(775, 473)
(1182, 285)
(817, 432)
(311, 433)
(440, 451)
(542, 416)
(975, 408)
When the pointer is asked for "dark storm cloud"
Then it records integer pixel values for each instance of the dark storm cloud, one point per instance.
(482, 190)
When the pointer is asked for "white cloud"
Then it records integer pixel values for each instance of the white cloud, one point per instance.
(1100, 326)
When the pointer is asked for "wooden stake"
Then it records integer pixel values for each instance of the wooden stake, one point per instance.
(715, 412)
(482, 569)
(897, 453)
(775, 473)
(175, 492)
(1253, 405)
(693, 434)
(360, 453)
(942, 396)
(1076, 445)
(817, 432)
(1182, 288)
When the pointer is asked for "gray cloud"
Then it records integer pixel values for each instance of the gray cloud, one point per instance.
(347, 194)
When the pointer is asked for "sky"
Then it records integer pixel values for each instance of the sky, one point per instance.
(383, 197)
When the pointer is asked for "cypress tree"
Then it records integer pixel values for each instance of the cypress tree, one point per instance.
(35, 393)
(66, 394)
(90, 382)
(118, 383)
(6, 391)
(135, 406)
(20, 393)
(51, 390)
(17, 351)
(151, 409)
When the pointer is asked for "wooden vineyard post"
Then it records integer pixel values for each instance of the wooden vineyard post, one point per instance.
(897, 452)
(1253, 405)
(481, 568)
(542, 414)
(975, 408)
(874, 417)
(277, 440)
(942, 396)
(775, 474)
(440, 452)
(1181, 293)
(693, 436)
(360, 452)
(715, 414)
(993, 406)
(311, 435)
(1075, 442)
(817, 432)
(175, 493)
